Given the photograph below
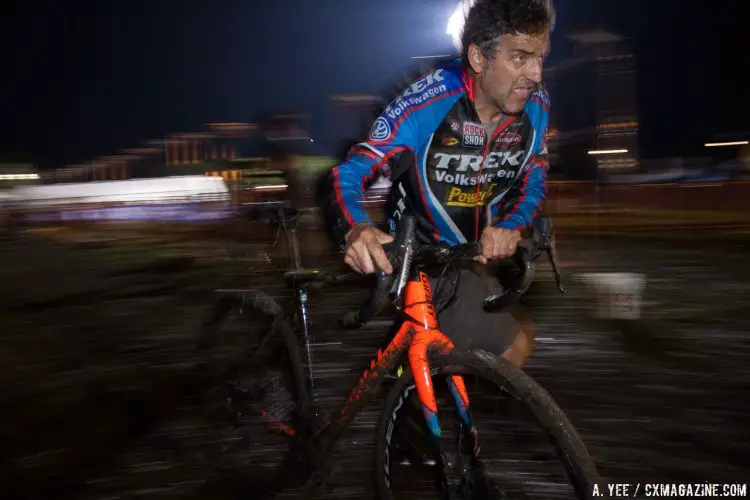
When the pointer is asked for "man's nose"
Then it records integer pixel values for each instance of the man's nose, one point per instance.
(534, 71)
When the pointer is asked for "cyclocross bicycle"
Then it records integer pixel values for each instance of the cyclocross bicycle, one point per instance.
(272, 435)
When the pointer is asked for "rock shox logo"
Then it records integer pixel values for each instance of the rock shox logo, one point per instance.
(474, 136)
(457, 197)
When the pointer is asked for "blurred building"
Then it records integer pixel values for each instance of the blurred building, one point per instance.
(197, 153)
(223, 149)
(359, 103)
(594, 108)
(356, 113)
(263, 157)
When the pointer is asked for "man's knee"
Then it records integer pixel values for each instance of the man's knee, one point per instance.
(526, 325)
(523, 345)
(527, 336)
(526, 339)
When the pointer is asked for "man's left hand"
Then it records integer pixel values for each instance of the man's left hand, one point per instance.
(498, 243)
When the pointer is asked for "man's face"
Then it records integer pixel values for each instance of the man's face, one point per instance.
(509, 77)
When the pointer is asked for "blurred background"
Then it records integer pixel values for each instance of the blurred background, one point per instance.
(137, 136)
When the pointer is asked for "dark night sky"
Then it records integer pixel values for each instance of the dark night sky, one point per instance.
(83, 79)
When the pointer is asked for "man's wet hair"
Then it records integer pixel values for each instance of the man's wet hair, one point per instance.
(488, 20)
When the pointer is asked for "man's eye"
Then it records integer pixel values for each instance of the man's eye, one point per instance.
(518, 58)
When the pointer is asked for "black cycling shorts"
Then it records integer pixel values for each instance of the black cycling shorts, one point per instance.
(463, 320)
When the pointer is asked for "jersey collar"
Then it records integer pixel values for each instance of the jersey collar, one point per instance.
(468, 82)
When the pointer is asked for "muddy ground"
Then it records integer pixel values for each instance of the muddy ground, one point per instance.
(97, 352)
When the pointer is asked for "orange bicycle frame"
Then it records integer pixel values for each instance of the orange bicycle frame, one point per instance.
(418, 305)
(417, 334)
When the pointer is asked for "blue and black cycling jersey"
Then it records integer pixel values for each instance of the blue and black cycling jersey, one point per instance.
(444, 167)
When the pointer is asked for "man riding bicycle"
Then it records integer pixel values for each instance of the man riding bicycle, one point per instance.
(465, 149)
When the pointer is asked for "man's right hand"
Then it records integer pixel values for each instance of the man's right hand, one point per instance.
(364, 249)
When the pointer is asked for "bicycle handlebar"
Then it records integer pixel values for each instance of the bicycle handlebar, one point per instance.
(405, 250)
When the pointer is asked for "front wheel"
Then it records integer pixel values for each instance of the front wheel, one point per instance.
(507, 409)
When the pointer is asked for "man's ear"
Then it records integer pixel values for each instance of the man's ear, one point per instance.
(476, 58)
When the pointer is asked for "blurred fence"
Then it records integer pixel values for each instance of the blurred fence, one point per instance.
(575, 203)
(587, 205)
(566, 197)
(571, 197)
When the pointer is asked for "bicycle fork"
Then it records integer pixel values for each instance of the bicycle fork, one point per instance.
(419, 307)
(426, 391)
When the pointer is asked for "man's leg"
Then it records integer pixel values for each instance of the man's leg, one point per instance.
(522, 347)
(508, 333)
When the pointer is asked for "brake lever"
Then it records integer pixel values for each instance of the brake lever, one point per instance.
(552, 256)
(544, 241)
(537, 252)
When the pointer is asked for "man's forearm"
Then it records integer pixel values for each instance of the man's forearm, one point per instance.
(533, 191)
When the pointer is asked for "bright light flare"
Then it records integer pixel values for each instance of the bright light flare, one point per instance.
(723, 144)
(456, 22)
(608, 151)
(13, 177)
(438, 56)
(270, 187)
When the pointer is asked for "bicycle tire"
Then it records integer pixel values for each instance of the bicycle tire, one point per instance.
(570, 448)
(247, 303)
(256, 304)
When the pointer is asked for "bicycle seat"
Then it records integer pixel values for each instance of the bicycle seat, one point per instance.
(312, 275)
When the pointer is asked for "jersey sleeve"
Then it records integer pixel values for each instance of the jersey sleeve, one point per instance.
(390, 135)
(531, 191)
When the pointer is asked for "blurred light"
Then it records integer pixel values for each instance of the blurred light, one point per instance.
(456, 22)
(356, 98)
(432, 57)
(272, 186)
(142, 151)
(9, 177)
(720, 144)
(608, 151)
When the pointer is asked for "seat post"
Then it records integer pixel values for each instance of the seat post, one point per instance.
(294, 248)
(301, 296)
(291, 235)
